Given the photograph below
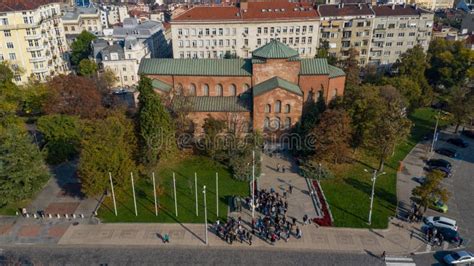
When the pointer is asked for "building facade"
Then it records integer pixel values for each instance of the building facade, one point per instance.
(346, 26)
(265, 93)
(217, 31)
(398, 28)
(434, 4)
(32, 39)
(78, 19)
(113, 14)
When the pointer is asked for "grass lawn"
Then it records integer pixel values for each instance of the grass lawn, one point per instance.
(206, 171)
(348, 193)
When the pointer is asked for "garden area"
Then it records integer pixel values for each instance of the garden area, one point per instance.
(349, 192)
(185, 193)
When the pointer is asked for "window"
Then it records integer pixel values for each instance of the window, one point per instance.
(9, 45)
(285, 29)
(266, 123)
(265, 30)
(268, 108)
(411, 34)
(192, 89)
(7, 33)
(389, 35)
(4, 21)
(391, 26)
(276, 123)
(259, 41)
(25, 20)
(125, 78)
(278, 106)
(360, 24)
(401, 34)
(259, 30)
(232, 90)
(310, 29)
(12, 56)
(310, 40)
(246, 30)
(179, 89)
(287, 108)
(403, 25)
(287, 122)
(399, 43)
(388, 44)
(219, 90)
(347, 24)
(246, 87)
(205, 90)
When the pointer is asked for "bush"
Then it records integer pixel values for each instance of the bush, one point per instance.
(313, 170)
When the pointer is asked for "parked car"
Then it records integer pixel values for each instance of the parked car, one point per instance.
(449, 235)
(446, 172)
(447, 152)
(459, 257)
(458, 142)
(468, 133)
(439, 162)
(441, 222)
(438, 205)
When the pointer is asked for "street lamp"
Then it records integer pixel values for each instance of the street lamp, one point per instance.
(374, 178)
(253, 184)
(205, 210)
(435, 132)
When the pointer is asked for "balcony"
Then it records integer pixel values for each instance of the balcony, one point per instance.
(33, 37)
(40, 70)
(38, 59)
(34, 48)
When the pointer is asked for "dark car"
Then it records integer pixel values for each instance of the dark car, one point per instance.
(458, 142)
(439, 162)
(468, 133)
(449, 235)
(447, 152)
(446, 172)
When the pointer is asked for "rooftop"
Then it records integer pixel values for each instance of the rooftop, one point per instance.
(276, 50)
(240, 103)
(276, 82)
(132, 27)
(398, 10)
(196, 67)
(345, 10)
(254, 11)
(18, 5)
(77, 11)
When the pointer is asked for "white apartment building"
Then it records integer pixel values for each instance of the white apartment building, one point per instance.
(32, 39)
(122, 57)
(78, 19)
(217, 31)
(113, 14)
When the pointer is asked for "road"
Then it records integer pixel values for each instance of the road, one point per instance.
(60, 255)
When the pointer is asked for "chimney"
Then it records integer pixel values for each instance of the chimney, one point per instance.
(393, 6)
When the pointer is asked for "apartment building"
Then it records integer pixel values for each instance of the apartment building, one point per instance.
(122, 57)
(32, 39)
(434, 4)
(220, 31)
(346, 26)
(398, 28)
(78, 19)
(112, 14)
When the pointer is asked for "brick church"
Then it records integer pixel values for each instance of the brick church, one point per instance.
(265, 93)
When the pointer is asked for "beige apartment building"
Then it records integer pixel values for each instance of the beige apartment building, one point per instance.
(398, 28)
(433, 4)
(217, 31)
(77, 19)
(346, 26)
(32, 39)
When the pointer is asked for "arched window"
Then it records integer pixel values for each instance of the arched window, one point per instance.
(287, 122)
(268, 108)
(276, 123)
(205, 90)
(278, 107)
(287, 108)
(219, 90)
(246, 87)
(192, 89)
(266, 123)
(334, 93)
(320, 94)
(232, 90)
(179, 89)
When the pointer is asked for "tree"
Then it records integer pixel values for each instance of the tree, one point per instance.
(229, 55)
(22, 169)
(108, 145)
(81, 47)
(450, 63)
(212, 142)
(408, 88)
(156, 130)
(74, 95)
(351, 68)
(461, 105)
(87, 68)
(34, 97)
(390, 126)
(62, 136)
(9, 92)
(431, 189)
(332, 136)
(412, 66)
(323, 52)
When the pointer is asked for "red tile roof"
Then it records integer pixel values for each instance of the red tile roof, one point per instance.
(397, 10)
(18, 5)
(344, 10)
(255, 11)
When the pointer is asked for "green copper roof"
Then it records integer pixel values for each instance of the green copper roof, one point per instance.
(160, 85)
(275, 49)
(314, 66)
(273, 83)
(213, 103)
(196, 67)
(335, 72)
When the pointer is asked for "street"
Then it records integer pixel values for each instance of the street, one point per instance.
(78, 255)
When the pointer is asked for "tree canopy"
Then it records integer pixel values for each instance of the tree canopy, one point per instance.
(431, 189)
(81, 47)
(87, 68)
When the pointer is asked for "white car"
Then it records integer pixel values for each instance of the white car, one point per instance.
(439, 221)
(459, 257)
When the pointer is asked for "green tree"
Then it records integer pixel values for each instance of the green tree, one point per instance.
(108, 145)
(431, 189)
(9, 92)
(81, 47)
(212, 142)
(323, 52)
(407, 87)
(62, 136)
(87, 68)
(461, 105)
(351, 68)
(391, 125)
(22, 169)
(156, 130)
(332, 136)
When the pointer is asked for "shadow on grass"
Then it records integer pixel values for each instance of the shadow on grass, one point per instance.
(367, 189)
(333, 206)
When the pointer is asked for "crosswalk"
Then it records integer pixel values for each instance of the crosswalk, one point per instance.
(399, 261)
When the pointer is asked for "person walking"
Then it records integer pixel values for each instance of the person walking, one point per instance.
(166, 238)
(250, 240)
(383, 255)
(291, 189)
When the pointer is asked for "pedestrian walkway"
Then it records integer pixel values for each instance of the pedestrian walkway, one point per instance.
(399, 261)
